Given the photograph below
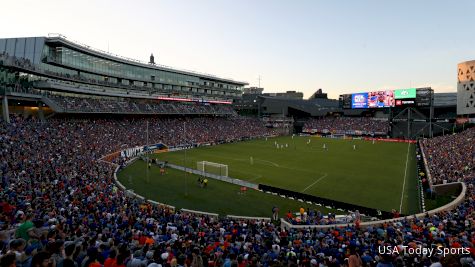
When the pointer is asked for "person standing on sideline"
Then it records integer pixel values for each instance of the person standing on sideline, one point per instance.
(275, 213)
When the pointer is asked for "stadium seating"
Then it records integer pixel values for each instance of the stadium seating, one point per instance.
(343, 125)
(136, 106)
(68, 210)
(451, 157)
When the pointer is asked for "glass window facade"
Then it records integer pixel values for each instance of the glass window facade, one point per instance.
(78, 60)
(83, 66)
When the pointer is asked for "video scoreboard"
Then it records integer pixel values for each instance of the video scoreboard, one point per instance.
(387, 98)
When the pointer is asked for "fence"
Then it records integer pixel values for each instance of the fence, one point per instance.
(215, 215)
(447, 207)
(326, 202)
(429, 176)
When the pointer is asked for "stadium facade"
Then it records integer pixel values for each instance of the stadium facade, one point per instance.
(466, 88)
(423, 113)
(56, 65)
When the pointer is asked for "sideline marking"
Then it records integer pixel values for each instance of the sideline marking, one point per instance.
(405, 174)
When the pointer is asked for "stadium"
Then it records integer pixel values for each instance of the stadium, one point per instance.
(109, 160)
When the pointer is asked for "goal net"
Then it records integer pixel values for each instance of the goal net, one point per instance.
(338, 136)
(213, 167)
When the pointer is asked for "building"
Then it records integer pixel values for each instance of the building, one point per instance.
(35, 68)
(288, 94)
(248, 104)
(319, 94)
(58, 59)
(253, 90)
(290, 103)
(466, 88)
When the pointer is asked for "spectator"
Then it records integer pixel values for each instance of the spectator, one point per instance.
(348, 125)
(8, 260)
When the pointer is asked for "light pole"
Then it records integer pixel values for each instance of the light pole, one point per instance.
(147, 167)
(184, 160)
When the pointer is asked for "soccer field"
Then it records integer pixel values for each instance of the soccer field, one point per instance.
(381, 175)
(181, 190)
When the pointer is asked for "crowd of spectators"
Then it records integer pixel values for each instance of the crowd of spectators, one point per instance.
(344, 125)
(138, 106)
(60, 207)
(451, 158)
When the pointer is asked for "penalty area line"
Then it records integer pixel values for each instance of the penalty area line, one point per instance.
(318, 180)
(267, 161)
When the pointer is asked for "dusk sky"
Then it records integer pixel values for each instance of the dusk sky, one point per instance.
(339, 46)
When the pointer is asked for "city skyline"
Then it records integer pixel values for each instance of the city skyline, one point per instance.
(342, 47)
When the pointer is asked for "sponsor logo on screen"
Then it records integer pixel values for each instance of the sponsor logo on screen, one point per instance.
(404, 102)
(405, 93)
(359, 100)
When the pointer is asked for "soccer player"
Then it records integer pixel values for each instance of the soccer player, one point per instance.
(354, 147)
(251, 160)
(205, 182)
(325, 147)
(162, 171)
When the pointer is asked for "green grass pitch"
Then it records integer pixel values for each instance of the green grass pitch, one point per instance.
(181, 190)
(381, 175)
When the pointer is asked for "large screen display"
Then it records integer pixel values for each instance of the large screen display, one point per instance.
(423, 97)
(345, 101)
(387, 98)
(359, 100)
(405, 93)
(381, 99)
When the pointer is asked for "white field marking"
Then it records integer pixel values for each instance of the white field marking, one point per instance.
(241, 159)
(247, 173)
(318, 180)
(261, 161)
(405, 174)
(270, 162)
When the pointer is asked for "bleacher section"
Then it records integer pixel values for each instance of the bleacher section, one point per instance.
(347, 125)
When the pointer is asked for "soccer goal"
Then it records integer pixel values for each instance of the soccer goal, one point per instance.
(213, 167)
(338, 136)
